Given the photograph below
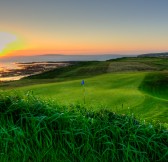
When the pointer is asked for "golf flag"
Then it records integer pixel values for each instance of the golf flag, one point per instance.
(83, 87)
(82, 82)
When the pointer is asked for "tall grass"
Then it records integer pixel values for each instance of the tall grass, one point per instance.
(32, 130)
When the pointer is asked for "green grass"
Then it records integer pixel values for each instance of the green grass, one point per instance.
(49, 121)
(118, 92)
(33, 130)
(143, 63)
(79, 70)
(137, 84)
(76, 70)
(156, 84)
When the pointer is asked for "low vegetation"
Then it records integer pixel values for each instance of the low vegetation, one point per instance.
(37, 130)
(116, 91)
(138, 84)
(156, 84)
(93, 68)
(87, 69)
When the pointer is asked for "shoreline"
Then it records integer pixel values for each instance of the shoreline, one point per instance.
(29, 68)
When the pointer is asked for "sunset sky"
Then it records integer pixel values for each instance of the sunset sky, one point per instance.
(33, 27)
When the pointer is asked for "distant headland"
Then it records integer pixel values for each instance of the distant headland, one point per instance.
(162, 54)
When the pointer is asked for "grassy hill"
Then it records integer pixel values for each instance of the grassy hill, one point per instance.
(121, 113)
(162, 54)
(119, 92)
(156, 84)
(88, 69)
(79, 70)
(138, 85)
(36, 130)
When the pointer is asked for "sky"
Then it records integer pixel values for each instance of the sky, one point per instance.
(33, 27)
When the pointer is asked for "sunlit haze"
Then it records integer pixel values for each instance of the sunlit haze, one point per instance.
(83, 27)
(5, 40)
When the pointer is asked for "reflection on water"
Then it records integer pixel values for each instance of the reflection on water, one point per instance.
(8, 65)
(16, 71)
(2, 79)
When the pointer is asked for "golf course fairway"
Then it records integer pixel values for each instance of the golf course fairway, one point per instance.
(118, 92)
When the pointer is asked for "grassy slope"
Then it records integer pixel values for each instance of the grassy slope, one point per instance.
(89, 69)
(76, 71)
(33, 130)
(156, 84)
(151, 63)
(117, 91)
(36, 130)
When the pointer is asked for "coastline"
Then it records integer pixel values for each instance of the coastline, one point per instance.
(29, 68)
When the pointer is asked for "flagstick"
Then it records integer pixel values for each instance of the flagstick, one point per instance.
(84, 93)
(83, 84)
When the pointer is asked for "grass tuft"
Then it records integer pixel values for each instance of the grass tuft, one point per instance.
(35, 130)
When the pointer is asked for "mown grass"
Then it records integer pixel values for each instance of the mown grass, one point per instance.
(32, 130)
(115, 91)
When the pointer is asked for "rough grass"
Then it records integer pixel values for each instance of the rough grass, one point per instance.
(149, 63)
(156, 84)
(34, 130)
(93, 68)
(76, 70)
(80, 70)
(129, 66)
